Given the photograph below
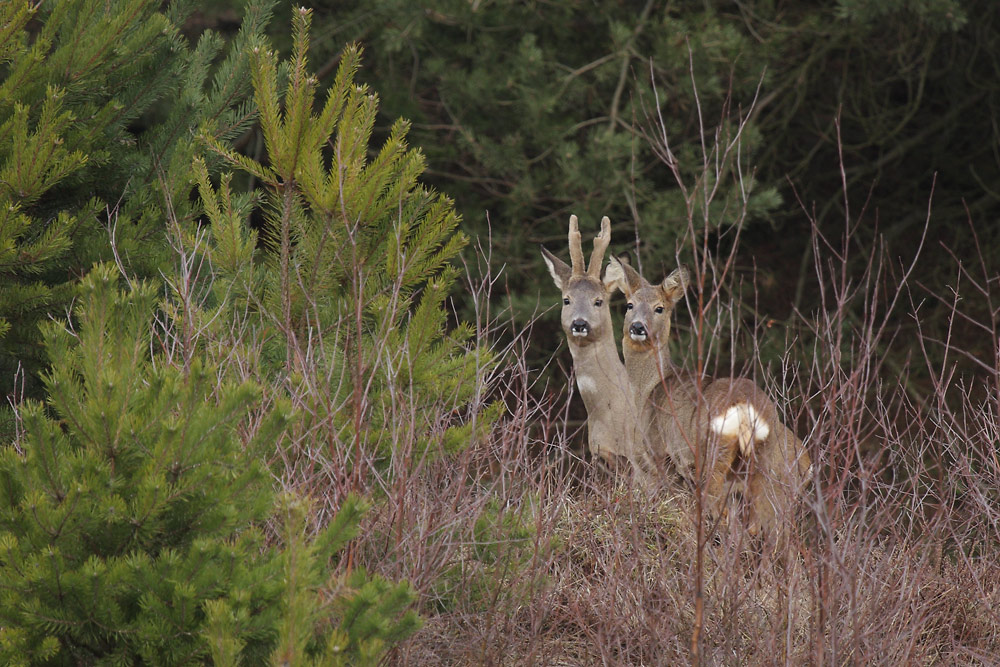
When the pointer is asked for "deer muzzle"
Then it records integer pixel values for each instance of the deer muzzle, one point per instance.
(637, 332)
(579, 327)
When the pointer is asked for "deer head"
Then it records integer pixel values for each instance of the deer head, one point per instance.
(586, 317)
(649, 307)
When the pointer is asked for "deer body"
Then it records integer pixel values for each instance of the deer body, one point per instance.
(703, 423)
(586, 321)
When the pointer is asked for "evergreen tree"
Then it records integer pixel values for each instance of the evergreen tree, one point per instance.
(134, 503)
(99, 103)
(374, 614)
(357, 264)
(129, 518)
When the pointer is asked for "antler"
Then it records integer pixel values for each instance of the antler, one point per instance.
(601, 242)
(575, 246)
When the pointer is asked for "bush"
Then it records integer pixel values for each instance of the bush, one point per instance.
(134, 503)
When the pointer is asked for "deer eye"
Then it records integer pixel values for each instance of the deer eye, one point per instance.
(566, 301)
(628, 306)
(658, 309)
(598, 303)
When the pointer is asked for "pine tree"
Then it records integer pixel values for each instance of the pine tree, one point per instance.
(131, 512)
(373, 614)
(99, 103)
(134, 502)
(357, 263)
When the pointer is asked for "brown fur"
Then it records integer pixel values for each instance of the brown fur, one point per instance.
(676, 412)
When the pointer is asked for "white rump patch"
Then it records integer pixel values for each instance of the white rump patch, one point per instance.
(742, 421)
(586, 384)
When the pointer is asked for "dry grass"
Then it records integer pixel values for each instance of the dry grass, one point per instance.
(524, 554)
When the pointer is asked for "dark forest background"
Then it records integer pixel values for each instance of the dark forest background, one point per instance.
(864, 113)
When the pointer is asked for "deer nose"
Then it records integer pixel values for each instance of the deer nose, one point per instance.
(637, 331)
(579, 327)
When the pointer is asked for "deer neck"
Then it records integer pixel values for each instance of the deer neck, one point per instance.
(647, 368)
(598, 368)
(605, 390)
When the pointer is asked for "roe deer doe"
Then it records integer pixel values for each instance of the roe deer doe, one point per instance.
(715, 423)
(586, 320)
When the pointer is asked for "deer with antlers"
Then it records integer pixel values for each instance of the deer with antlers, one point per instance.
(716, 426)
(586, 321)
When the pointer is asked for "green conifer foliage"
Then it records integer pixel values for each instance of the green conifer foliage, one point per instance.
(131, 503)
(374, 614)
(99, 100)
(357, 267)
(130, 509)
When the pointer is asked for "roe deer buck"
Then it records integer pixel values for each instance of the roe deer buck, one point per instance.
(713, 423)
(586, 320)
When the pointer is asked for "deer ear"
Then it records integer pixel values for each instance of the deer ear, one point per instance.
(621, 275)
(614, 276)
(559, 269)
(676, 284)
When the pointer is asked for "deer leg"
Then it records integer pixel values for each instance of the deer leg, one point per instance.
(770, 502)
(719, 462)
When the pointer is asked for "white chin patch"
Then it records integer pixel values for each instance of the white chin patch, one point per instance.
(638, 338)
(580, 333)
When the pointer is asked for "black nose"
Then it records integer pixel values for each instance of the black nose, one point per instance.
(579, 327)
(637, 329)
